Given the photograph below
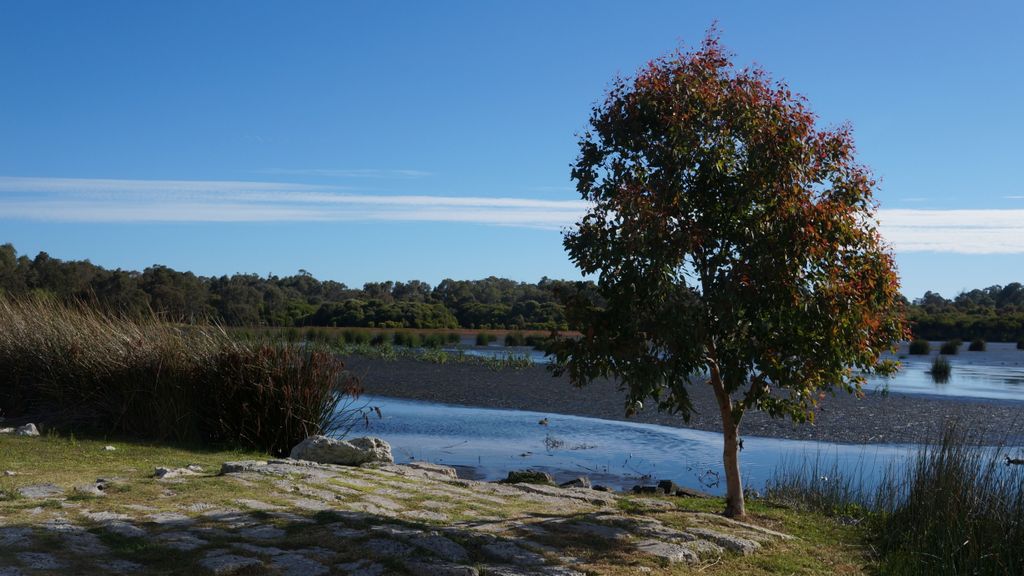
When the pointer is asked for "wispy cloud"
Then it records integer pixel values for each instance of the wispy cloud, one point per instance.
(960, 231)
(97, 200)
(349, 173)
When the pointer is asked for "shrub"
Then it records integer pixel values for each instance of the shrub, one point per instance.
(485, 339)
(941, 369)
(453, 338)
(977, 345)
(79, 369)
(951, 347)
(920, 347)
(515, 339)
(432, 340)
(379, 339)
(407, 339)
(1020, 344)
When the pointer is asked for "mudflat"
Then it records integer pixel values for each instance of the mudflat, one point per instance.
(875, 418)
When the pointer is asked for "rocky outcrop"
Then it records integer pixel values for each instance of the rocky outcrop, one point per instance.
(529, 477)
(355, 452)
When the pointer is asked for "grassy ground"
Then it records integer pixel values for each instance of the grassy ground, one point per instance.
(822, 545)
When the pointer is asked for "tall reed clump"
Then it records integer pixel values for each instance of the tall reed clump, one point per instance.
(74, 367)
(941, 369)
(485, 339)
(958, 509)
(1020, 344)
(977, 345)
(919, 347)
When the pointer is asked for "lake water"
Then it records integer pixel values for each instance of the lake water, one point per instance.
(486, 444)
(997, 373)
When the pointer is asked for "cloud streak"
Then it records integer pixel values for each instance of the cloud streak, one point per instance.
(112, 200)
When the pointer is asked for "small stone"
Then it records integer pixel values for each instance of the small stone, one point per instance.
(164, 473)
(109, 448)
(345, 452)
(27, 430)
(668, 486)
(223, 562)
(10, 473)
(90, 490)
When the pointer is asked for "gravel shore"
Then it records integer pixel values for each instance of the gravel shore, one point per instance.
(876, 418)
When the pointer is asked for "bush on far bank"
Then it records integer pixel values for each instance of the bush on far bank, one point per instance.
(977, 345)
(951, 347)
(919, 347)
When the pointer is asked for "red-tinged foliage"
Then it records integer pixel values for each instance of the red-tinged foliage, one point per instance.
(735, 242)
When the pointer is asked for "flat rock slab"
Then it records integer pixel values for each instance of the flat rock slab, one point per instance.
(384, 548)
(506, 551)
(39, 561)
(429, 569)
(223, 562)
(668, 551)
(262, 533)
(441, 547)
(15, 537)
(183, 541)
(37, 491)
(298, 565)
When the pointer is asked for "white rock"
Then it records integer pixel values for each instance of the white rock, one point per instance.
(345, 452)
(27, 430)
(109, 448)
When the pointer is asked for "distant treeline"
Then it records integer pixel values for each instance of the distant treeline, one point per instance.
(995, 313)
(299, 300)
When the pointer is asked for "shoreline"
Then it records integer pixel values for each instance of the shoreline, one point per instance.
(895, 418)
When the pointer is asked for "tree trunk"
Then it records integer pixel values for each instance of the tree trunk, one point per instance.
(734, 505)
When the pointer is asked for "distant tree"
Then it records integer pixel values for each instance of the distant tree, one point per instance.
(733, 241)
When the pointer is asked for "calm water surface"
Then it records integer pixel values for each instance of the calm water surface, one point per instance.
(995, 374)
(487, 443)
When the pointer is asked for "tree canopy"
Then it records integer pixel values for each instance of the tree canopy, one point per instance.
(734, 242)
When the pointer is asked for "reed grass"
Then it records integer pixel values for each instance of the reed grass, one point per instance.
(977, 345)
(955, 507)
(485, 338)
(941, 369)
(72, 367)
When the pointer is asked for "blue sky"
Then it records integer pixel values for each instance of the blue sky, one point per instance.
(385, 140)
